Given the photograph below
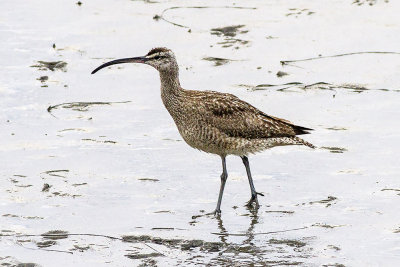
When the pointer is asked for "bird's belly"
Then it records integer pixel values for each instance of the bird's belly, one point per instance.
(203, 141)
(213, 141)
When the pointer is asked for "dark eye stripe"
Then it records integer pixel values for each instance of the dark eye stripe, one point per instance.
(158, 57)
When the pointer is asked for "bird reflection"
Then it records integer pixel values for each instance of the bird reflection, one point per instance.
(249, 234)
(223, 233)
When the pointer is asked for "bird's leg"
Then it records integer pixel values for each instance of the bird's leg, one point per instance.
(254, 193)
(224, 176)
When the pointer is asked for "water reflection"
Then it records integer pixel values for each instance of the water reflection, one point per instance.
(267, 249)
(249, 234)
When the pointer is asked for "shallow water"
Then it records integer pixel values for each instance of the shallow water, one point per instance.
(94, 173)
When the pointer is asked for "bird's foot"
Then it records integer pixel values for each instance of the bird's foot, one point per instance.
(254, 200)
(217, 212)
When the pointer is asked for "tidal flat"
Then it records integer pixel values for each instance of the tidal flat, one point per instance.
(93, 171)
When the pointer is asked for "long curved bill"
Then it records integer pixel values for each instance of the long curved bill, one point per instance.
(120, 61)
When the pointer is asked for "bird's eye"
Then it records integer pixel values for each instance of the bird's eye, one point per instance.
(157, 57)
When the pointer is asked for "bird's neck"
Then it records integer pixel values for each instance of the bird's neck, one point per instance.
(170, 86)
(171, 90)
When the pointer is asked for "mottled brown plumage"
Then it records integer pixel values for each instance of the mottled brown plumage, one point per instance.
(217, 123)
(223, 124)
(220, 123)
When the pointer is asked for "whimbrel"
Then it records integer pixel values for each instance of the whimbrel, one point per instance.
(217, 123)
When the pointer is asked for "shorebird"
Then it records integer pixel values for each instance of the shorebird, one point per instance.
(217, 123)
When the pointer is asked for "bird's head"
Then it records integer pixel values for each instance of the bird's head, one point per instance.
(161, 58)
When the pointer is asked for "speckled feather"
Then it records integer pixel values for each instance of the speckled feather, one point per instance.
(220, 123)
(223, 124)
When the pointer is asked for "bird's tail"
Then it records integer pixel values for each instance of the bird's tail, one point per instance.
(300, 141)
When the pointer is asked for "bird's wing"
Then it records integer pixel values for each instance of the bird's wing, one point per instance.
(237, 118)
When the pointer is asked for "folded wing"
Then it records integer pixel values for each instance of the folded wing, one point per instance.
(237, 118)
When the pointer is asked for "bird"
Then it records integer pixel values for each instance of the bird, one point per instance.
(215, 122)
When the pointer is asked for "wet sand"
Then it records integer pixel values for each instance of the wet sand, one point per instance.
(94, 173)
